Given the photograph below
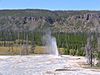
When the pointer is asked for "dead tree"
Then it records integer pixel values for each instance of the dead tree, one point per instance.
(25, 49)
(32, 46)
(89, 49)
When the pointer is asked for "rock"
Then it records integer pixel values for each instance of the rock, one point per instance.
(58, 21)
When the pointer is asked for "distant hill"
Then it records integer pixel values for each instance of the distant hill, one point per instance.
(57, 21)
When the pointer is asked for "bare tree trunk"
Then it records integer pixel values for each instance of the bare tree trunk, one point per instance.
(89, 49)
(27, 52)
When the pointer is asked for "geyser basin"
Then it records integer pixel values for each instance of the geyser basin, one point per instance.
(43, 65)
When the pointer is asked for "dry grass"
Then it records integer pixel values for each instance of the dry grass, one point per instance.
(42, 50)
(61, 50)
(9, 50)
(39, 50)
(16, 50)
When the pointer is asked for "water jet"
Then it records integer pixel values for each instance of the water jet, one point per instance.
(50, 44)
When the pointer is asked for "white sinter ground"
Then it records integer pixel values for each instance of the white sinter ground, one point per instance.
(44, 65)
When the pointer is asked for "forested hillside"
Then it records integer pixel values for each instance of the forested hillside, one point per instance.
(57, 21)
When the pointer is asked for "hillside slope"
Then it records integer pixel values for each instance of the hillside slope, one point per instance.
(57, 21)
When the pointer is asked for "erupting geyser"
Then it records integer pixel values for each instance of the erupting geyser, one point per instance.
(50, 44)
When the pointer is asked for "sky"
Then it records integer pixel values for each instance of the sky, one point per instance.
(51, 4)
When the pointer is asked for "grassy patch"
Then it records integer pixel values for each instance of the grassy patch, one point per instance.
(10, 50)
(16, 50)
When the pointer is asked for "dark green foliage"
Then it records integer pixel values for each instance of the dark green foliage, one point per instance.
(70, 40)
(66, 51)
(73, 43)
(38, 38)
(98, 55)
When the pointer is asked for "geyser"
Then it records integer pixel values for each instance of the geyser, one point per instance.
(50, 44)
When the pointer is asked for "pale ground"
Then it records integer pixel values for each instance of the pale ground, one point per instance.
(44, 65)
